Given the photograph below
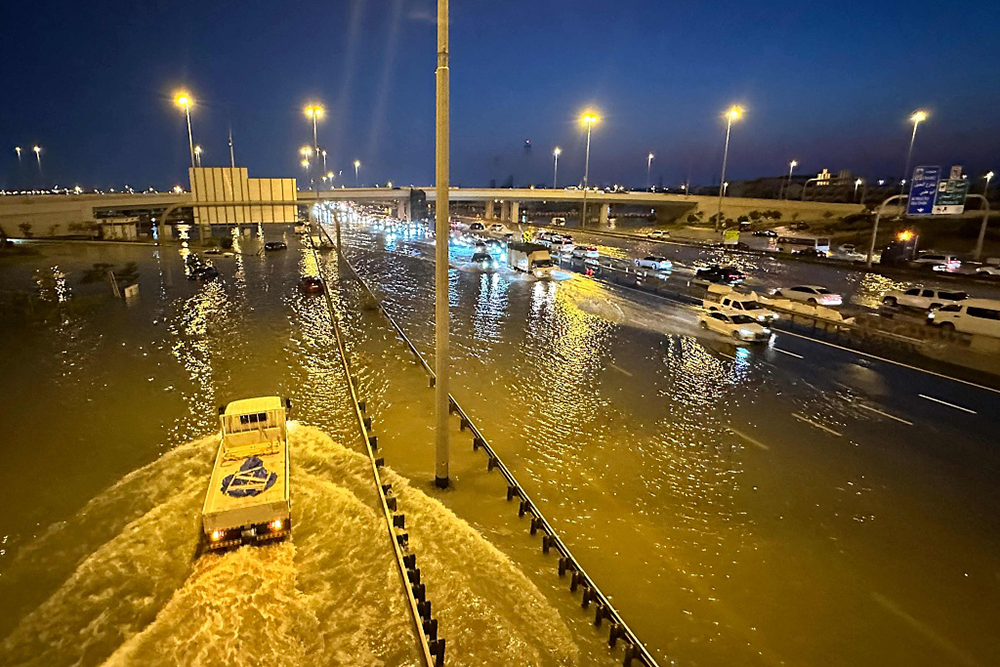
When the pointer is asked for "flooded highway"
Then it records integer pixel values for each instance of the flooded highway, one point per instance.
(783, 504)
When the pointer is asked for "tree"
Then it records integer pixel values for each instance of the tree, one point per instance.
(755, 215)
(25, 228)
(692, 218)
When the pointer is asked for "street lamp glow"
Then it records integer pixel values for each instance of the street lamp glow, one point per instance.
(305, 151)
(357, 178)
(314, 111)
(588, 117)
(184, 100)
(17, 149)
(556, 152)
(305, 164)
(734, 112)
(986, 188)
(38, 156)
(649, 163)
(197, 154)
(918, 117)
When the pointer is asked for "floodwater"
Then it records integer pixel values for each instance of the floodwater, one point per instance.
(686, 474)
(110, 413)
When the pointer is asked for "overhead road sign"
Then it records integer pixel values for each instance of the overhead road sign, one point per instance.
(923, 189)
(950, 196)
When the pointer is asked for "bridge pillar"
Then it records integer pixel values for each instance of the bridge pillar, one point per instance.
(515, 211)
(490, 215)
(604, 209)
(505, 211)
(403, 210)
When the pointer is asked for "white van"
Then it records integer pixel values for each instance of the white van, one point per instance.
(973, 316)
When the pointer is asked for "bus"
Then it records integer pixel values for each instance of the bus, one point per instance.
(815, 246)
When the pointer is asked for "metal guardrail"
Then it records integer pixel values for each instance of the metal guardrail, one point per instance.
(568, 563)
(432, 647)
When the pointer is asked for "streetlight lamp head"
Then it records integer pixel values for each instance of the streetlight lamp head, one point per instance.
(590, 117)
(989, 175)
(357, 163)
(197, 150)
(314, 111)
(793, 163)
(557, 151)
(650, 156)
(918, 116)
(329, 175)
(306, 151)
(305, 164)
(735, 112)
(183, 100)
(858, 182)
(37, 149)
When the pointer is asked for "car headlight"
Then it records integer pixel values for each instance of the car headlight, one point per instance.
(766, 331)
(746, 333)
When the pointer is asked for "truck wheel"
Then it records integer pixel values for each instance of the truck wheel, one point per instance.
(703, 325)
(934, 306)
(948, 326)
(778, 293)
(812, 302)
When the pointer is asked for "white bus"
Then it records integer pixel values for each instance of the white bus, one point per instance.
(814, 246)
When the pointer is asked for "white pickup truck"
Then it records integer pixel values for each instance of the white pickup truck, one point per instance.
(725, 298)
(248, 495)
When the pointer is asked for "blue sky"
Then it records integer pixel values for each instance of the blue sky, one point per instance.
(829, 85)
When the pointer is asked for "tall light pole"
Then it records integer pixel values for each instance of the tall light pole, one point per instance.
(589, 118)
(232, 156)
(314, 112)
(649, 163)
(917, 117)
(17, 149)
(857, 182)
(38, 156)
(357, 178)
(791, 165)
(323, 153)
(442, 362)
(185, 101)
(197, 155)
(555, 165)
(986, 188)
(734, 113)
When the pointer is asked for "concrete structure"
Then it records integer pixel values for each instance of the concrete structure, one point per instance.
(46, 212)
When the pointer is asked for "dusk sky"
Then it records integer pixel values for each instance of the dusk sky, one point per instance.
(831, 85)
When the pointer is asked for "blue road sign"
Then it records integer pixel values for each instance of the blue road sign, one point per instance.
(923, 187)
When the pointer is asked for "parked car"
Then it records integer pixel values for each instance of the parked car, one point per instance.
(477, 227)
(737, 325)
(658, 235)
(769, 233)
(275, 245)
(923, 298)
(204, 272)
(798, 226)
(938, 261)
(655, 263)
(973, 316)
(498, 228)
(558, 222)
(724, 275)
(815, 295)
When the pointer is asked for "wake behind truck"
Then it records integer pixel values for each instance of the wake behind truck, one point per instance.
(530, 258)
(248, 495)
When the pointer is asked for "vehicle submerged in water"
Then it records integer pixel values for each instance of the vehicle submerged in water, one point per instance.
(248, 495)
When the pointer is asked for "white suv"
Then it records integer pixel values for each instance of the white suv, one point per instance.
(938, 262)
(923, 298)
(974, 316)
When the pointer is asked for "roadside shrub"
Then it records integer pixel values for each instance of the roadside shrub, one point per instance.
(756, 215)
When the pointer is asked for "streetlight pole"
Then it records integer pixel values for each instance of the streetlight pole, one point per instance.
(649, 163)
(324, 159)
(555, 165)
(442, 230)
(856, 184)
(734, 113)
(878, 216)
(315, 112)
(788, 186)
(232, 156)
(38, 156)
(986, 188)
(588, 118)
(916, 118)
(357, 178)
(184, 100)
(197, 155)
(17, 149)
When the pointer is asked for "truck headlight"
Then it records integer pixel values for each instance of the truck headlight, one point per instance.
(216, 535)
(276, 524)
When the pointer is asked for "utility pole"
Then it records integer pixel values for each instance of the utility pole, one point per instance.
(232, 157)
(442, 232)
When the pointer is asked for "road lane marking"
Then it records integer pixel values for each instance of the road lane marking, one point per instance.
(885, 414)
(950, 405)
(619, 369)
(791, 354)
(727, 356)
(890, 361)
(752, 441)
(816, 424)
